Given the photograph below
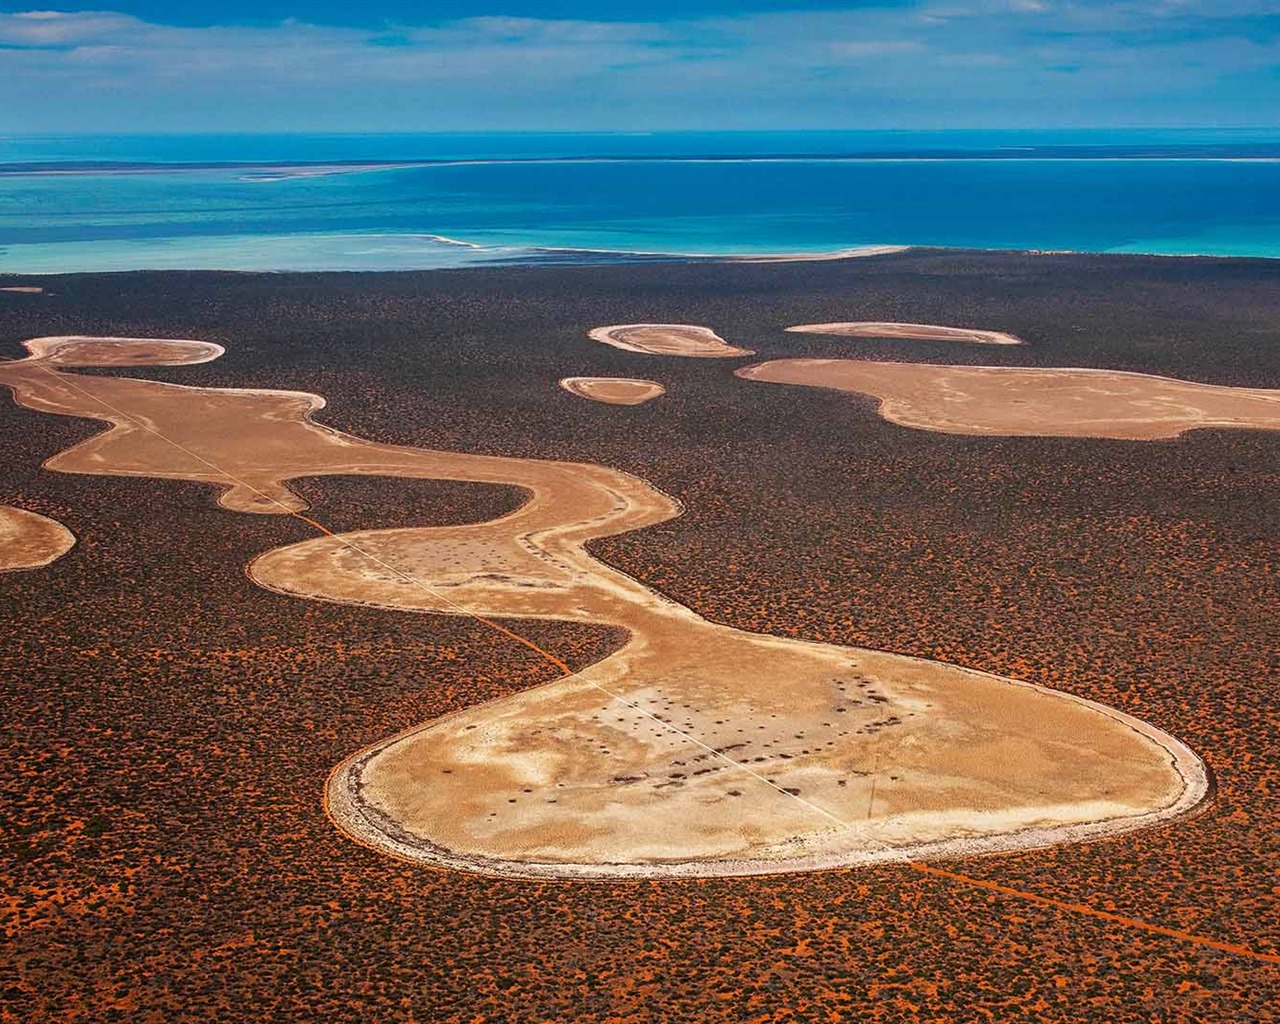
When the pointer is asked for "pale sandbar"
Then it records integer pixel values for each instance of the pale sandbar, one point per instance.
(911, 332)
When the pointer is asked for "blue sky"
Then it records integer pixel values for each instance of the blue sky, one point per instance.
(525, 65)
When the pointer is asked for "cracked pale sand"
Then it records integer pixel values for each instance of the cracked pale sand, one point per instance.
(614, 390)
(668, 340)
(1032, 402)
(29, 540)
(695, 749)
(912, 332)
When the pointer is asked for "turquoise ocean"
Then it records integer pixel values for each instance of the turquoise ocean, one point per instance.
(376, 202)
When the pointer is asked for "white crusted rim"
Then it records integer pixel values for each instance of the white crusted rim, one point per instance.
(370, 828)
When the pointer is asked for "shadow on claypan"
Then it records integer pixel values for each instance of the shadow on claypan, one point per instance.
(695, 749)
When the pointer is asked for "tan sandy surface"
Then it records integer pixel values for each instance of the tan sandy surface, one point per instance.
(29, 541)
(668, 340)
(693, 749)
(856, 252)
(23, 289)
(1032, 402)
(614, 390)
(913, 332)
(79, 350)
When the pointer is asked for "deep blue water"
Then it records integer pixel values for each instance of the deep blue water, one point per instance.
(256, 202)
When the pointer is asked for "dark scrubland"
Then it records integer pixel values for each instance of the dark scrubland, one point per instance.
(169, 726)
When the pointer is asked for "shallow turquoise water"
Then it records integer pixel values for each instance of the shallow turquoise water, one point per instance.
(545, 198)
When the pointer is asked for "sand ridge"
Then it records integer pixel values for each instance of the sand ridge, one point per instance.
(668, 340)
(614, 390)
(913, 332)
(1031, 401)
(23, 289)
(31, 541)
(695, 748)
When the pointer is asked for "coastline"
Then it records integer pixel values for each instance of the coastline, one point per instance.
(460, 254)
(303, 204)
(272, 170)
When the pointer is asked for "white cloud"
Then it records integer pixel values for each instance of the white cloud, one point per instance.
(876, 47)
(57, 28)
(939, 60)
